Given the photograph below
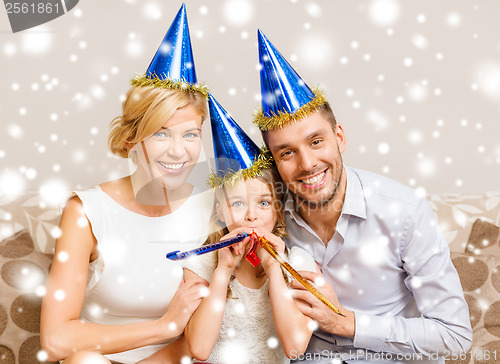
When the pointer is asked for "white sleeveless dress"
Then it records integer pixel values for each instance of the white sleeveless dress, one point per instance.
(247, 334)
(131, 280)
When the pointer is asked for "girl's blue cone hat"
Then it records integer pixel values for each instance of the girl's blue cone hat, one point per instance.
(285, 96)
(172, 66)
(236, 155)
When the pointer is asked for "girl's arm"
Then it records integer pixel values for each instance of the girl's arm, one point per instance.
(203, 328)
(293, 328)
(61, 330)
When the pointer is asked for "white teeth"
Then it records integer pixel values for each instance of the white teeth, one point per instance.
(173, 166)
(314, 180)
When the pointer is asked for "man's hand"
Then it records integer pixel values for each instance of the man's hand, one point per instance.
(310, 306)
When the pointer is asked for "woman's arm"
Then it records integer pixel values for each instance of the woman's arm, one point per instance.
(61, 330)
(293, 328)
(203, 328)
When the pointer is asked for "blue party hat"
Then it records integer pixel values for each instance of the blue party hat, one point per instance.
(172, 66)
(236, 155)
(285, 96)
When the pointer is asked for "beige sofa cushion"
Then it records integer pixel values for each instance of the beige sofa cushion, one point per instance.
(480, 278)
(23, 274)
(457, 212)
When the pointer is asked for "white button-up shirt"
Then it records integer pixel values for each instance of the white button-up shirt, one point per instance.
(390, 264)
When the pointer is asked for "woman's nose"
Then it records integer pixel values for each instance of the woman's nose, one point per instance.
(176, 148)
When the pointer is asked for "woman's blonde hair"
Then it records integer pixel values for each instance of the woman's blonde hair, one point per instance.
(145, 111)
(272, 180)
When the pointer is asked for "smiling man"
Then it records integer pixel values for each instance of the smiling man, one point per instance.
(381, 257)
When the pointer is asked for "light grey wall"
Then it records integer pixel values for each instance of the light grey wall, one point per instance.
(415, 84)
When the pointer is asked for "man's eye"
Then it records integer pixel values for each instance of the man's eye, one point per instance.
(286, 154)
(316, 142)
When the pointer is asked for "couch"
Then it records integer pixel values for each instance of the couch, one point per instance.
(29, 227)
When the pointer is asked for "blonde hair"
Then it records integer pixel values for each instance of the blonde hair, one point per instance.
(271, 178)
(145, 110)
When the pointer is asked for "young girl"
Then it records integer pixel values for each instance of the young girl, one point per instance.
(248, 315)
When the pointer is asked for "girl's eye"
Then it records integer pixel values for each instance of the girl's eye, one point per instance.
(237, 204)
(265, 203)
(191, 135)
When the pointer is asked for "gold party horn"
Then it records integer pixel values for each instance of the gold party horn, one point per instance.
(269, 248)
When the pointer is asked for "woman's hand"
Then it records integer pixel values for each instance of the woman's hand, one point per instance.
(185, 301)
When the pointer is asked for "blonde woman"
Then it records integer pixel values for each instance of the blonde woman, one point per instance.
(111, 294)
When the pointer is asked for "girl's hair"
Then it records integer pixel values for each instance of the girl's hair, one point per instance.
(272, 180)
(145, 111)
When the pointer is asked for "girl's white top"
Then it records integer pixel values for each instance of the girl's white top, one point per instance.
(131, 280)
(247, 333)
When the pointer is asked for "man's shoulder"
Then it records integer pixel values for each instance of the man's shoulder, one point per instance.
(383, 187)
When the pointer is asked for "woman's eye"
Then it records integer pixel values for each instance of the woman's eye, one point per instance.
(160, 134)
(237, 204)
(265, 203)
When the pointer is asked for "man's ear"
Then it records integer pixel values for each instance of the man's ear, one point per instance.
(218, 209)
(341, 138)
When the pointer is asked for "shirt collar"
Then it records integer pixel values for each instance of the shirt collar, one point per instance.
(354, 202)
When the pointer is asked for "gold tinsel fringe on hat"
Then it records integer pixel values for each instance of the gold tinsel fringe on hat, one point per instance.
(155, 81)
(262, 161)
(281, 119)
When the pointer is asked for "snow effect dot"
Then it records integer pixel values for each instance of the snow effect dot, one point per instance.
(12, 184)
(186, 360)
(362, 149)
(199, 34)
(38, 42)
(454, 19)
(307, 26)
(204, 291)
(59, 295)
(239, 308)
(272, 342)
(417, 92)
(63, 256)
(415, 136)
(312, 325)
(426, 167)
(420, 192)
(56, 232)
(344, 60)
(400, 99)
(448, 160)
(419, 41)
(15, 131)
(488, 79)
(73, 57)
(349, 92)
(354, 45)
(436, 134)
(416, 283)
(438, 92)
(421, 18)
(459, 183)
(390, 32)
(15, 86)
(356, 104)
(231, 333)
(23, 111)
(56, 168)
(367, 57)
(41, 149)
(54, 192)
(152, 11)
(313, 9)
(2, 153)
(203, 10)
(386, 169)
(78, 156)
(481, 149)
(464, 122)
(104, 77)
(378, 120)
(53, 117)
(31, 173)
(383, 148)
(97, 92)
(384, 12)
(40, 291)
(222, 29)
(238, 12)
(120, 279)
(78, 13)
(172, 326)
(408, 62)
(319, 281)
(315, 50)
(381, 77)
(439, 56)
(9, 49)
(42, 355)
(35, 86)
